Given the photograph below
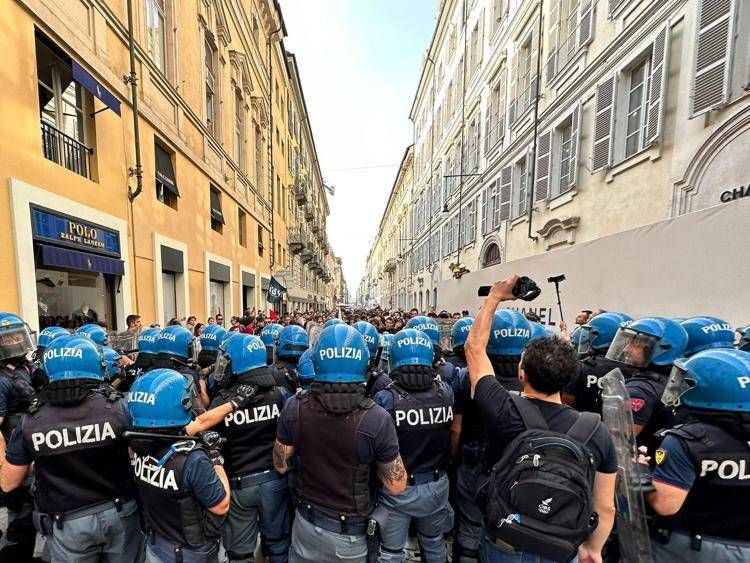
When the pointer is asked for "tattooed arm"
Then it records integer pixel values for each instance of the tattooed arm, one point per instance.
(393, 475)
(281, 455)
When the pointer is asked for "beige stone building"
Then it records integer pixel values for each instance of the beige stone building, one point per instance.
(207, 224)
(544, 125)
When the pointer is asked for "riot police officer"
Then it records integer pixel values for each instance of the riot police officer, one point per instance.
(16, 394)
(84, 494)
(649, 345)
(705, 333)
(259, 495)
(429, 326)
(331, 322)
(290, 344)
(584, 390)
(422, 409)
(210, 339)
(377, 380)
(744, 342)
(305, 370)
(386, 340)
(701, 478)
(339, 439)
(268, 335)
(509, 334)
(113, 374)
(455, 359)
(95, 333)
(148, 349)
(39, 376)
(176, 352)
(181, 483)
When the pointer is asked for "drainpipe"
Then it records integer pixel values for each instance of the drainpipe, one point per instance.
(136, 171)
(531, 190)
(132, 79)
(269, 42)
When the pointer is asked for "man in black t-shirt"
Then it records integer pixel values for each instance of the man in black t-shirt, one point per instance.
(546, 366)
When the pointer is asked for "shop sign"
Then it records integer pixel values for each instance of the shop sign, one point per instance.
(736, 193)
(73, 232)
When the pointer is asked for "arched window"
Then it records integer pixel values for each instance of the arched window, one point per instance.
(491, 256)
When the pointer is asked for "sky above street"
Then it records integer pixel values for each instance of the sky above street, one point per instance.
(359, 62)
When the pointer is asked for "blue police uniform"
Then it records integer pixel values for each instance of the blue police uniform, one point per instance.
(84, 493)
(423, 419)
(338, 436)
(259, 495)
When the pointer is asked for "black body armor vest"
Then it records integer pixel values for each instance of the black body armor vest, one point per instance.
(423, 421)
(717, 504)
(251, 432)
(331, 477)
(285, 375)
(169, 510)
(80, 456)
(593, 369)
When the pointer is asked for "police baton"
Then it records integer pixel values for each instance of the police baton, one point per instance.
(556, 280)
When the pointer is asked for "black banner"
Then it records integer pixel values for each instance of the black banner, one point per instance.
(275, 291)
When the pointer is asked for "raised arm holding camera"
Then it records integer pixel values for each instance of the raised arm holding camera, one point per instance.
(525, 434)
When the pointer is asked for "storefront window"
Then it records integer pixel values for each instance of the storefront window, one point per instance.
(169, 291)
(217, 297)
(72, 298)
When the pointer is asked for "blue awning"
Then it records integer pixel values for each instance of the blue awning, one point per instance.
(65, 258)
(82, 76)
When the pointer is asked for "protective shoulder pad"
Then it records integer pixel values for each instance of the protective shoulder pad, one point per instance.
(691, 431)
(366, 403)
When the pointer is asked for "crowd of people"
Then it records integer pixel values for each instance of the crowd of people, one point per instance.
(319, 436)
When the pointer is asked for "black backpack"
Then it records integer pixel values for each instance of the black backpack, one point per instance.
(539, 496)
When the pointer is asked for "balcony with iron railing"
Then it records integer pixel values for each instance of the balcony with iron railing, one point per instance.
(307, 253)
(297, 239)
(65, 150)
(390, 265)
(300, 193)
(309, 212)
(315, 225)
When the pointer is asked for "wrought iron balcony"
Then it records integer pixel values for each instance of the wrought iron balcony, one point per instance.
(307, 253)
(309, 212)
(297, 239)
(390, 265)
(65, 150)
(300, 193)
(316, 225)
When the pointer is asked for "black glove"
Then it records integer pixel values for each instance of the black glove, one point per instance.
(213, 441)
(242, 396)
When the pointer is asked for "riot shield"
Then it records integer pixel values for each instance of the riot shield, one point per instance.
(313, 333)
(632, 527)
(445, 328)
(123, 342)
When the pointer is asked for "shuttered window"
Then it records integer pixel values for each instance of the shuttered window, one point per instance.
(506, 184)
(601, 157)
(713, 55)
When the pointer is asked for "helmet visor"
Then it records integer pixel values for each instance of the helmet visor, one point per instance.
(677, 384)
(16, 341)
(587, 336)
(221, 366)
(632, 348)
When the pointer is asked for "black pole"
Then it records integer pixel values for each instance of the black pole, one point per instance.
(559, 306)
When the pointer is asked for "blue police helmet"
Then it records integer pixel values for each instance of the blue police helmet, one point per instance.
(95, 333)
(111, 363)
(148, 341)
(575, 337)
(161, 398)
(428, 325)
(599, 332)
(245, 353)
(537, 331)
(411, 347)
(340, 355)
(651, 340)
(73, 357)
(269, 334)
(49, 334)
(371, 336)
(211, 337)
(292, 341)
(460, 331)
(744, 341)
(331, 322)
(175, 341)
(386, 341)
(705, 333)
(715, 379)
(509, 333)
(305, 368)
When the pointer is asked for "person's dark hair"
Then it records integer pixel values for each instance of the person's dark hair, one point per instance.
(197, 329)
(549, 364)
(533, 316)
(130, 320)
(587, 311)
(173, 321)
